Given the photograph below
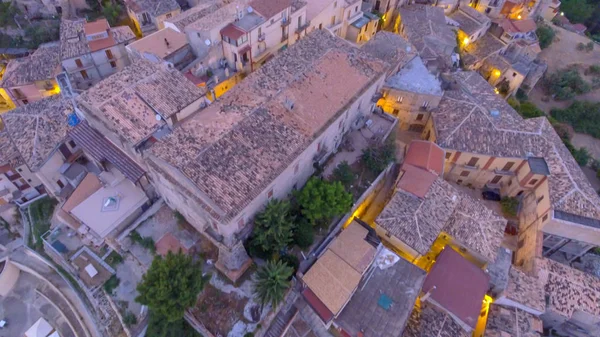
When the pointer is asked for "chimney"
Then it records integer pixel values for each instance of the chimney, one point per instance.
(427, 294)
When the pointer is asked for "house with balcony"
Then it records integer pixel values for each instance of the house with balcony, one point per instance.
(149, 16)
(31, 78)
(166, 45)
(425, 28)
(345, 19)
(49, 159)
(260, 31)
(387, 10)
(471, 24)
(91, 51)
(488, 144)
(411, 94)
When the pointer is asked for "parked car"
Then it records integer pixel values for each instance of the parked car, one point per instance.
(491, 195)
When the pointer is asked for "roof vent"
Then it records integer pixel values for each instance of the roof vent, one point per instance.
(408, 49)
(495, 113)
(250, 9)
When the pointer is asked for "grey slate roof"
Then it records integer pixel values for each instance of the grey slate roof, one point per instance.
(101, 149)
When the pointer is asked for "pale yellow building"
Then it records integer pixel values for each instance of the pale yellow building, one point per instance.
(149, 16)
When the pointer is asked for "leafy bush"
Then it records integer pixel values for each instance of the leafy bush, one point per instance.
(583, 116)
(159, 327)
(580, 46)
(578, 11)
(7, 13)
(343, 173)
(529, 110)
(513, 103)
(41, 212)
(129, 318)
(377, 158)
(304, 234)
(111, 284)
(564, 130)
(521, 95)
(589, 46)
(509, 206)
(320, 201)
(566, 84)
(179, 218)
(112, 12)
(144, 241)
(256, 251)
(545, 35)
(114, 259)
(594, 69)
(582, 156)
(291, 261)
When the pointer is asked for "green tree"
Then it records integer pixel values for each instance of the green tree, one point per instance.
(577, 11)
(112, 12)
(545, 35)
(272, 281)
(509, 206)
(529, 110)
(582, 156)
(7, 14)
(171, 285)
(377, 158)
(158, 327)
(343, 173)
(304, 233)
(320, 200)
(582, 116)
(273, 227)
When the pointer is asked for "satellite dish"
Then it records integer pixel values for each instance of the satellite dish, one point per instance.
(207, 42)
(250, 9)
(158, 118)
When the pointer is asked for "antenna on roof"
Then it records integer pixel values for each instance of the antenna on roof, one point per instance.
(207, 42)
(157, 117)
(250, 9)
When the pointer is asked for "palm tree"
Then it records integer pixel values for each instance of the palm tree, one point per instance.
(274, 226)
(272, 281)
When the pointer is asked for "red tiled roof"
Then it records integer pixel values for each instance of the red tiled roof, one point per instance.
(98, 26)
(318, 306)
(101, 149)
(459, 286)
(518, 26)
(415, 180)
(269, 8)
(580, 27)
(426, 155)
(232, 32)
(508, 7)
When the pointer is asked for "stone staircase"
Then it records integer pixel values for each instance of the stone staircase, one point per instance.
(281, 322)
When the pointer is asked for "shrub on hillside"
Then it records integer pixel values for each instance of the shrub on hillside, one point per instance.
(566, 83)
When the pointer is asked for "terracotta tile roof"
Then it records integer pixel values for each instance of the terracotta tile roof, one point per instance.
(269, 8)
(391, 48)
(457, 285)
(568, 290)
(464, 122)
(320, 75)
(153, 7)
(415, 180)
(73, 41)
(98, 26)
(481, 49)
(428, 321)
(425, 27)
(130, 100)
(38, 128)
(426, 155)
(512, 322)
(8, 152)
(518, 26)
(42, 65)
(195, 13)
(418, 221)
(156, 43)
(336, 274)
(215, 17)
(400, 283)
(469, 19)
(232, 32)
(101, 149)
(525, 290)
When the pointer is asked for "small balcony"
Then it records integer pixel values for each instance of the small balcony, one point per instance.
(504, 173)
(261, 37)
(470, 167)
(285, 22)
(284, 38)
(303, 27)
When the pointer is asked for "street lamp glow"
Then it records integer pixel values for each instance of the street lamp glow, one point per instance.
(466, 41)
(497, 73)
(519, 17)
